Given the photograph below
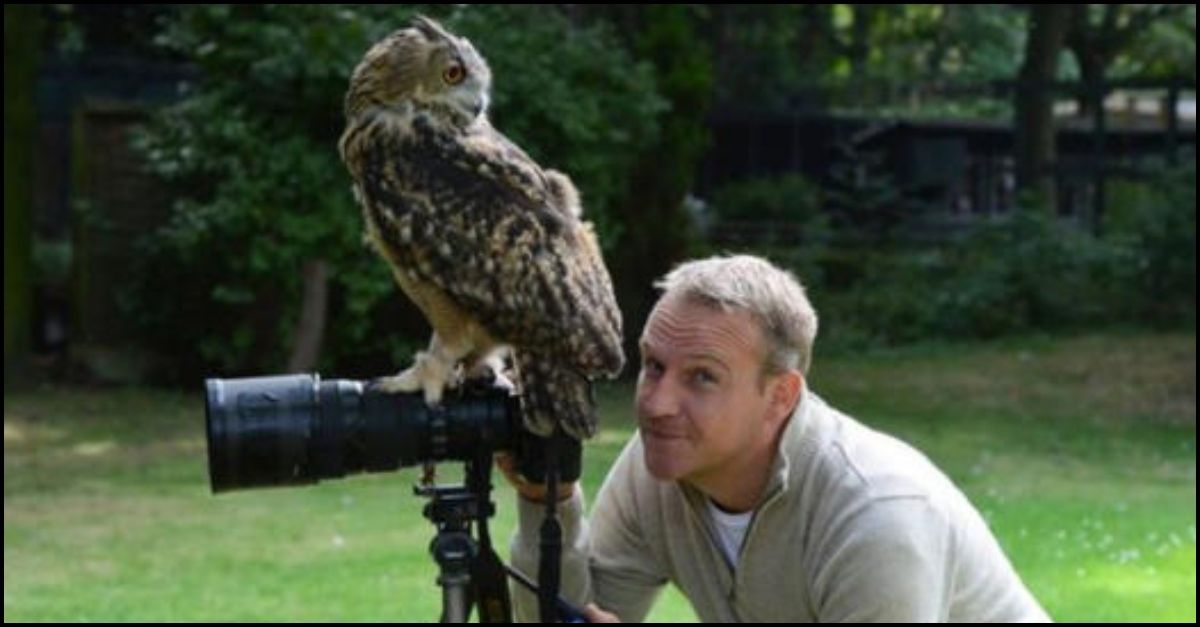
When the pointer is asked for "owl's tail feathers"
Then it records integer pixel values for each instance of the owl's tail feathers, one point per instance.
(552, 394)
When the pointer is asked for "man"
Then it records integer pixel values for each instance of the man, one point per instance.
(752, 495)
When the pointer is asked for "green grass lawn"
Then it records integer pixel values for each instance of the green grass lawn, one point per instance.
(1080, 452)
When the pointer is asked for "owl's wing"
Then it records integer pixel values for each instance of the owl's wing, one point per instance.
(473, 218)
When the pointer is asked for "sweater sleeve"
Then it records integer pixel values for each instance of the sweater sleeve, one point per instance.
(575, 579)
(606, 561)
(887, 562)
(626, 570)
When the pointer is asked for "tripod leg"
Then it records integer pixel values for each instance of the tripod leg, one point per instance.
(456, 605)
(550, 539)
(454, 551)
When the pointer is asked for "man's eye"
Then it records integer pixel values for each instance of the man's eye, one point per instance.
(704, 377)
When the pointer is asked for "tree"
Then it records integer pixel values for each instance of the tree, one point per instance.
(655, 230)
(21, 29)
(1099, 34)
(1035, 152)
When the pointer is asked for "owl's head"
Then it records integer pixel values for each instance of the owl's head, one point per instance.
(423, 65)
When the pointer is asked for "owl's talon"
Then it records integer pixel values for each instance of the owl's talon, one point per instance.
(428, 374)
(404, 382)
(502, 381)
(487, 374)
(433, 394)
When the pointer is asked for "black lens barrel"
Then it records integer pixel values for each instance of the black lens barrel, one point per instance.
(259, 430)
(297, 429)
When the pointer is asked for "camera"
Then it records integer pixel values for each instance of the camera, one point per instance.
(297, 430)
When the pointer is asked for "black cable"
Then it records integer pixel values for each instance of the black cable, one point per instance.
(550, 539)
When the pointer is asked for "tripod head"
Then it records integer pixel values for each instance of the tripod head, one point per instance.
(470, 571)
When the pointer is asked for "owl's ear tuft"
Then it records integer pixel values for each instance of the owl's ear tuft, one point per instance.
(431, 29)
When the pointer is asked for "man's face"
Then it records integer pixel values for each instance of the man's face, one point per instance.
(700, 403)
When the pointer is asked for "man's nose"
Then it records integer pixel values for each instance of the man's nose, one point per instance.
(657, 398)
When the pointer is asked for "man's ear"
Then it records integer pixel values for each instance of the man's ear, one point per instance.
(785, 393)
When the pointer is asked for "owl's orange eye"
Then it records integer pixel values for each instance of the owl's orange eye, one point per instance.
(454, 74)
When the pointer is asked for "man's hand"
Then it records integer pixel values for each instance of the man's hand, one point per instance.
(535, 492)
(594, 614)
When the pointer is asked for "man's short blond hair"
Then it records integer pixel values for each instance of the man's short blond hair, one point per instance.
(773, 297)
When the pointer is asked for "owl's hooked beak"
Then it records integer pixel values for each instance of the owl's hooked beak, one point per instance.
(470, 106)
(478, 107)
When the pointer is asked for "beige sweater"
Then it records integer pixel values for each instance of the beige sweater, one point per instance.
(855, 526)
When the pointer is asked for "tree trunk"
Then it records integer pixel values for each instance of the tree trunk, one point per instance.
(1093, 48)
(306, 346)
(860, 41)
(20, 59)
(658, 234)
(1035, 152)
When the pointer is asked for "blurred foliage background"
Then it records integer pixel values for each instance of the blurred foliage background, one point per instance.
(624, 99)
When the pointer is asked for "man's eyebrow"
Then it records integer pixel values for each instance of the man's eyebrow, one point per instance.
(707, 357)
(645, 347)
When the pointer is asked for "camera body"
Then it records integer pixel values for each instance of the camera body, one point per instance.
(297, 429)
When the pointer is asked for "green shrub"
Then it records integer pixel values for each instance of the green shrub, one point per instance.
(789, 198)
(782, 215)
(1155, 223)
(1025, 271)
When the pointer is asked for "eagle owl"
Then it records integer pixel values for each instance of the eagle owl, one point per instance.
(489, 245)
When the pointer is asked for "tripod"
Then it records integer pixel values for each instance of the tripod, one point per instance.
(470, 570)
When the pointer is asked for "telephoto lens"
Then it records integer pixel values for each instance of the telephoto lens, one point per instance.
(297, 429)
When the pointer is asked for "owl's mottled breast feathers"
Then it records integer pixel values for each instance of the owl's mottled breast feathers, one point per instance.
(475, 217)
